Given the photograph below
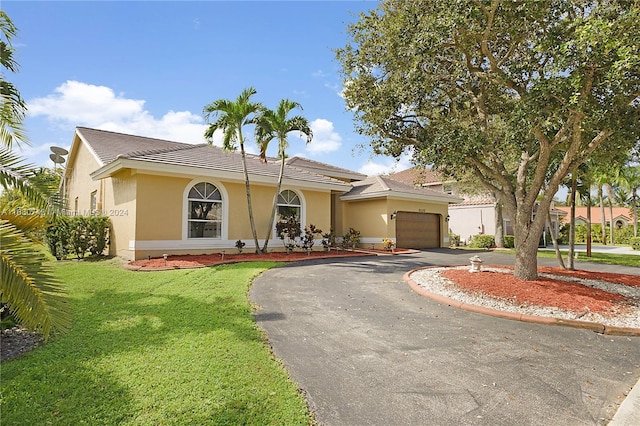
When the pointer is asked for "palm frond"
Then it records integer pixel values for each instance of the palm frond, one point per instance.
(27, 224)
(33, 294)
(16, 175)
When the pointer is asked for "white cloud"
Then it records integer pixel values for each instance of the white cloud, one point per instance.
(319, 74)
(81, 104)
(386, 166)
(325, 138)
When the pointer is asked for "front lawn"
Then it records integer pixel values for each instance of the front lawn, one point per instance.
(154, 348)
(597, 257)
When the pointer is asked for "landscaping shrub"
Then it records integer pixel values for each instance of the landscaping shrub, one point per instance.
(623, 235)
(289, 231)
(454, 239)
(620, 236)
(98, 227)
(78, 235)
(482, 241)
(509, 241)
(57, 236)
(635, 243)
(351, 238)
(309, 236)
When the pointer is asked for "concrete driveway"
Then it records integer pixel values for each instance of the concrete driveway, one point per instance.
(366, 350)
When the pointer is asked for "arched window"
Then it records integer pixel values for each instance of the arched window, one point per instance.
(289, 205)
(205, 211)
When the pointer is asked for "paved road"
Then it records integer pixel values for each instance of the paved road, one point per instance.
(368, 351)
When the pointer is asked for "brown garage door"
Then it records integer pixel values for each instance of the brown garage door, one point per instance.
(417, 230)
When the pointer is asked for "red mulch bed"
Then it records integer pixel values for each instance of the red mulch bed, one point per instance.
(546, 291)
(200, 260)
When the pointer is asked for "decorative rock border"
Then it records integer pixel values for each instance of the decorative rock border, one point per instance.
(587, 325)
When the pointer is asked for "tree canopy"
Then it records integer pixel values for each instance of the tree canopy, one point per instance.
(518, 94)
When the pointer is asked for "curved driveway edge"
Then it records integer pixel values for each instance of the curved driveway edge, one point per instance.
(365, 349)
(587, 325)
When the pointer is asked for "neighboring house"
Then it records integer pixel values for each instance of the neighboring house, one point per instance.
(174, 198)
(621, 215)
(476, 214)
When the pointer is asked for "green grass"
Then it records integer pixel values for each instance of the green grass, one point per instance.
(596, 257)
(157, 348)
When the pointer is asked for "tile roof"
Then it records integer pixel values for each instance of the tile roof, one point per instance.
(325, 169)
(111, 146)
(596, 214)
(108, 145)
(417, 175)
(378, 186)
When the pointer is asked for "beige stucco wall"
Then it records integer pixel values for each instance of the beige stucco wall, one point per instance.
(119, 202)
(78, 184)
(370, 217)
(373, 217)
(160, 203)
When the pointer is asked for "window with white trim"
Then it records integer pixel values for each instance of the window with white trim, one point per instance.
(93, 204)
(289, 205)
(204, 211)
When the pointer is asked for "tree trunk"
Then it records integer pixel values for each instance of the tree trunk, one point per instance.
(588, 224)
(248, 190)
(526, 262)
(603, 222)
(274, 208)
(527, 238)
(499, 236)
(634, 199)
(572, 221)
(610, 195)
(555, 244)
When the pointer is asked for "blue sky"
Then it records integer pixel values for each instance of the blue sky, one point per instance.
(148, 68)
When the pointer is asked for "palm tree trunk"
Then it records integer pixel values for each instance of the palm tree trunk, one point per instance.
(275, 204)
(588, 224)
(634, 199)
(572, 222)
(610, 195)
(555, 244)
(248, 189)
(603, 222)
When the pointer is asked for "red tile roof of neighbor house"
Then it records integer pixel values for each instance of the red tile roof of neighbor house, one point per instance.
(417, 175)
(624, 213)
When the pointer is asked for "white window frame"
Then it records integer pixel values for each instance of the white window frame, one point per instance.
(224, 226)
(303, 209)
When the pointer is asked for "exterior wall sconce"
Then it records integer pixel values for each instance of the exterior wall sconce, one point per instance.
(447, 218)
(394, 214)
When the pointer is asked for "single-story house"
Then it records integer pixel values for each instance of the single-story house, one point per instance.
(622, 216)
(167, 197)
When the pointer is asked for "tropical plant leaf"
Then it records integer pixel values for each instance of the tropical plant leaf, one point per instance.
(32, 292)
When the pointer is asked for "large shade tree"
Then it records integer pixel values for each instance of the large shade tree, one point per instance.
(28, 288)
(275, 124)
(231, 117)
(517, 93)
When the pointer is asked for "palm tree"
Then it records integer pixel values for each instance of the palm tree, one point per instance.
(29, 290)
(275, 124)
(231, 117)
(630, 179)
(600, 179)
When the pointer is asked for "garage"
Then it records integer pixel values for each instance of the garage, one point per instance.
(417, 230)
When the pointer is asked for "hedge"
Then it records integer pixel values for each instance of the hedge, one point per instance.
(482, 241)
(77, 235)
(635, 243)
